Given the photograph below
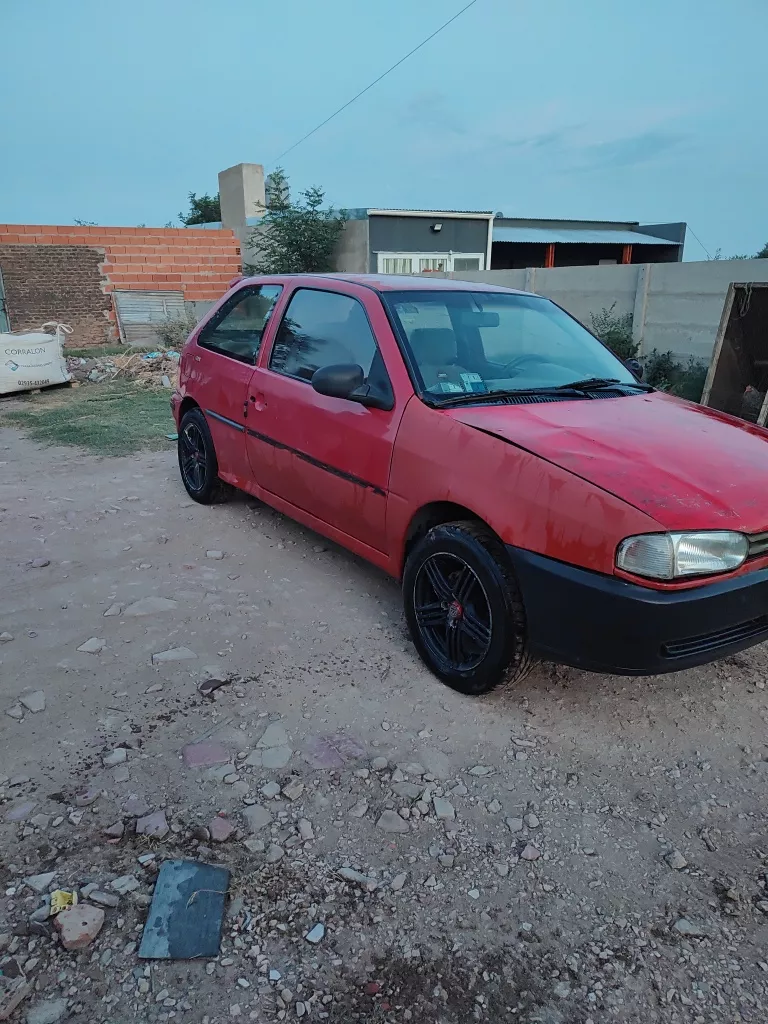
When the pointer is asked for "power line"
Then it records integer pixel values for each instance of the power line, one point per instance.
(375, 81)
(709, 256)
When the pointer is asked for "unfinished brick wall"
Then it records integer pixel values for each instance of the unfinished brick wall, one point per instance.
(57, 282)
(198, 262)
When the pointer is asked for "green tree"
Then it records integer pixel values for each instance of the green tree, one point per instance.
(203, 209)
(295, 236)
(763, 254)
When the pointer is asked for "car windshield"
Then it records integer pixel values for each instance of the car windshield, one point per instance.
(467, 342)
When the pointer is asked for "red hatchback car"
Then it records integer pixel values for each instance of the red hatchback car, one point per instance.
(534, 497)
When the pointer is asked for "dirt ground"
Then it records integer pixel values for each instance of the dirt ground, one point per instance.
(606, 859)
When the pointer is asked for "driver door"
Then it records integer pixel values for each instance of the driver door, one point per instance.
(328, 456)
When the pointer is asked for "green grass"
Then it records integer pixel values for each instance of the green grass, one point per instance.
(106, 419)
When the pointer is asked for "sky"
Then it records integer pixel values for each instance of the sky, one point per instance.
(596, 109)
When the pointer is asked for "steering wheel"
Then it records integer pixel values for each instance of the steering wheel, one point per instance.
(518, 361)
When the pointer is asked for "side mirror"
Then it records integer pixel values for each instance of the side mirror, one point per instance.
(338, 381)
(635, 367)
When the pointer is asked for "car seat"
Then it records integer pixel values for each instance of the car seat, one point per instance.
(435, 352)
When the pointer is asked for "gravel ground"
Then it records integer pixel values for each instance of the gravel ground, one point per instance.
(583, 848)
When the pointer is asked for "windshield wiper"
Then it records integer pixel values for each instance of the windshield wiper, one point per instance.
(485, 396)
(595, 383)
(578, 388)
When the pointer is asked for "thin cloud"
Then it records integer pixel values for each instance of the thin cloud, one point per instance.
(629, 151)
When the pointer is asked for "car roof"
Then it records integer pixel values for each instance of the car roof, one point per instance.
(395, 282)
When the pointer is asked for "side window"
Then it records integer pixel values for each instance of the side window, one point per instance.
(237, 328)
(320, 329)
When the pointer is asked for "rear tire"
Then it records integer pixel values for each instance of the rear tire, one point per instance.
(464, 609)
(198, 464)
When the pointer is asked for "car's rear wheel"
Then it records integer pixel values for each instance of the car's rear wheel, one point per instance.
(464, 608)
(198, 465)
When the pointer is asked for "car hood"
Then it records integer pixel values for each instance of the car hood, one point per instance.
(687, 466)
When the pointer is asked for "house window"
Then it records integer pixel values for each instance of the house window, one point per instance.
(428, 262)
(396, 265)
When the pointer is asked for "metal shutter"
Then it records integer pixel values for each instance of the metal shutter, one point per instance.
(137, 312)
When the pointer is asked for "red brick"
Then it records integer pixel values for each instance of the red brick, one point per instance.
(62, 282)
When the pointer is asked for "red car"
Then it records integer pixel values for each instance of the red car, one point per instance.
(535, 498)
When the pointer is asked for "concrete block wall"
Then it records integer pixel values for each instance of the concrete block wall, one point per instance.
(675, 307)
(198, 262)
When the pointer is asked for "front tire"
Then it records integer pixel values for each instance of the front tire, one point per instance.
(198, 465)
(464, 609)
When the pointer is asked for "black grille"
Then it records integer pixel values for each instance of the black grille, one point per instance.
(758, 544)
(713, 641)
(539, 399)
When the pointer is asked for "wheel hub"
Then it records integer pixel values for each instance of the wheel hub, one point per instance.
(455, 613)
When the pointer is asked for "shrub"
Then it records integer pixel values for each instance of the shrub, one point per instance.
(686, 380)
(615, 331)
(175, 330)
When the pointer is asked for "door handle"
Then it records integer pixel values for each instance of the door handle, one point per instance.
(258, 401)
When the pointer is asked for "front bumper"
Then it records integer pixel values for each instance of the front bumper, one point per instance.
(606, 624)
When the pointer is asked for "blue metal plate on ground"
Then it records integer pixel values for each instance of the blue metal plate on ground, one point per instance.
(184, 920)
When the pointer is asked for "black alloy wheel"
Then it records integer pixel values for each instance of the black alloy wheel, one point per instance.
(464, 608)
(192, 456)
(198, 465)
(452, 612)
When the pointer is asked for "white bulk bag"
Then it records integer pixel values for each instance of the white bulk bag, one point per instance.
(33, 359)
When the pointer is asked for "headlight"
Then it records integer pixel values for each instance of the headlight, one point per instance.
(666, 556)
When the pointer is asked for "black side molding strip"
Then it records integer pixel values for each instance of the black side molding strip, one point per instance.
(223, 419)
(314, 462)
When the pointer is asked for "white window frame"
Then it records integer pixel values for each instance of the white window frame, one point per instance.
(415, 257)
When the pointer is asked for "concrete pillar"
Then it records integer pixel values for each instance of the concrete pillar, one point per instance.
(641, 304)
(241, 192)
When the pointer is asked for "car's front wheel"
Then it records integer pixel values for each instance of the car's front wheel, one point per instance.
(198, 465)
(464, 608)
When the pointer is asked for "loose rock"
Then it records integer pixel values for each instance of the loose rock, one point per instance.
(257, 816)
(40, 883)
(676, 860)
(390, 821)
(116, 756)
(124, 884)
(50, 1011)
(79, 925)
(92, 646)
(444, 809)
(274, 736)
(154, 825)
(149, 606)
(174, 654)
(293, 789)
(685, 927)
(220, 829)
(34, 702)
(314, 935)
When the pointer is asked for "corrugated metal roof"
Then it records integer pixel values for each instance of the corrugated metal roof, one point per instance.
(363, 212)
(399, 209)
(573, 235)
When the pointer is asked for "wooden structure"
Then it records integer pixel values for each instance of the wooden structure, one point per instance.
(737, 381)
